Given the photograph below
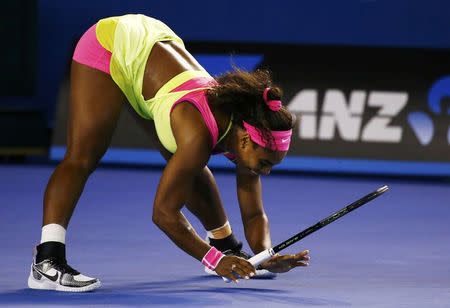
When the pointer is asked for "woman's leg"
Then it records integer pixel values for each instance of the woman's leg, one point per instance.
(204, 201)
(95, 105)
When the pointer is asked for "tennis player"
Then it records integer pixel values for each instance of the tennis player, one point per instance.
(191, 116)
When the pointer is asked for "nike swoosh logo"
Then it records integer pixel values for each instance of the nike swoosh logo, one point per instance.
(52, 278)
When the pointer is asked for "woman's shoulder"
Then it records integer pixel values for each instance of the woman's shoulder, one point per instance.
(189, 127)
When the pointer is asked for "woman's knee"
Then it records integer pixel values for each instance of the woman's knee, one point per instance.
(84, 164)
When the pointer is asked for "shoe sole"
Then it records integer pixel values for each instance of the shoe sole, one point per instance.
(44, 284)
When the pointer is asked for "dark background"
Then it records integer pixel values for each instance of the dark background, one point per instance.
(369, 45)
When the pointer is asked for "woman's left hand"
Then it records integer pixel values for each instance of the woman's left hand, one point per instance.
(284, 263)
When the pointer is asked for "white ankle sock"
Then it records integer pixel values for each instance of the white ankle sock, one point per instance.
(221, 232)
(53, 233)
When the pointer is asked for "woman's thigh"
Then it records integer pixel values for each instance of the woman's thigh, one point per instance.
(95, 105)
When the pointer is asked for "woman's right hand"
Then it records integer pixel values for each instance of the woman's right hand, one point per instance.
(230, 266)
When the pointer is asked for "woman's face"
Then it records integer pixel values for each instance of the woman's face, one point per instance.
(256, 159)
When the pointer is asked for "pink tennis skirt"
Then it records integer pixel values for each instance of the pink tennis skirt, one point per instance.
(90, 53)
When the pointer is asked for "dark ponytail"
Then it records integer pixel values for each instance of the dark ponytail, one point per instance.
(240, 93)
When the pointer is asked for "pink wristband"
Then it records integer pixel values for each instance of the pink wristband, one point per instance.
(212, 258)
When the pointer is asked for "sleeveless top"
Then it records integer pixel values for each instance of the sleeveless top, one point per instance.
(130, 39)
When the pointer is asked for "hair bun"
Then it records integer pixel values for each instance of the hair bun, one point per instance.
(274, 105)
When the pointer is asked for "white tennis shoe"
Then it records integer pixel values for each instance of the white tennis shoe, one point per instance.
(59, 276)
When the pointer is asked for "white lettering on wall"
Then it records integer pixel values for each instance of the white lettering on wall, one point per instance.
(343, 116)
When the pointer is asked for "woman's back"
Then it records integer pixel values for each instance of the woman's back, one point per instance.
(166, 60)
(146, 54)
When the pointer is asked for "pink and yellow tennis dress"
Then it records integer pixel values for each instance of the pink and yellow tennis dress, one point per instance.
(120, 46)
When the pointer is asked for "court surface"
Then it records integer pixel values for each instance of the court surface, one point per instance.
(392, 252)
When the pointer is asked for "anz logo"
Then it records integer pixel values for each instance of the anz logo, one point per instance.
(346, 116)
(343, 115)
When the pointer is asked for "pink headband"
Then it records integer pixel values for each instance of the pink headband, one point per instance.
(281, 139)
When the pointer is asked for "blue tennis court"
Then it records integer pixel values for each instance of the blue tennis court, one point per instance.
(392, 252)
(355, 94)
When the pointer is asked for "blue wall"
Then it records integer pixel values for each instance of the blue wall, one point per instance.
(364, 22)
(396, 23)
(369, 22)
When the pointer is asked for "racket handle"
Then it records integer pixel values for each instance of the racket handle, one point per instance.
(256, 260)
(261, 257)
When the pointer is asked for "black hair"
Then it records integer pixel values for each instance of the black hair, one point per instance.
(240, 93)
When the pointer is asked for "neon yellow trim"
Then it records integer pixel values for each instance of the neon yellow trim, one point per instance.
(227, 130)
(179, 80)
